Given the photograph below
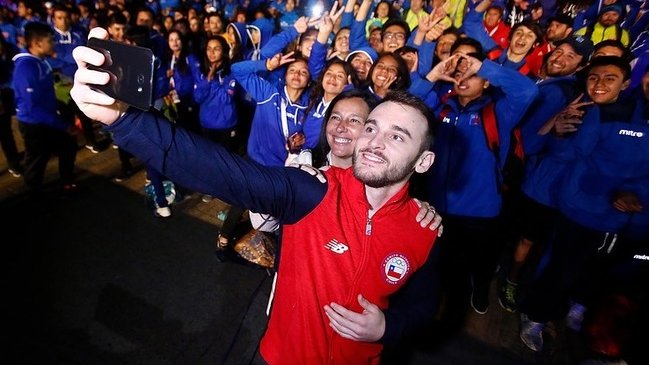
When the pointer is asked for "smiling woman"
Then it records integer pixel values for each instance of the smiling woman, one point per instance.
(390, 72)
(336, 76)
(344, 118)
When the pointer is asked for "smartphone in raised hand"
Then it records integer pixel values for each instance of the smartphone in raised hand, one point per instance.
(130, 69)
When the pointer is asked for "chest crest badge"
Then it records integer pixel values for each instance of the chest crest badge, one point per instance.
(395, 268)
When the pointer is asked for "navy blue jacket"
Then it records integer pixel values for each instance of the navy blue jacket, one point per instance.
(33, 86)
(464, 179)
(542, 171)
(610, 154)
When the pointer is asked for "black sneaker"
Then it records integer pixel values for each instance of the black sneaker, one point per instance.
(479, 299)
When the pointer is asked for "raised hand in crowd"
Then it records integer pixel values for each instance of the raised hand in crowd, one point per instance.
(482, 6)
(444, 70)
(468, 66)
(301, 24)
(335, 12)
(279, 60)
(567, 120)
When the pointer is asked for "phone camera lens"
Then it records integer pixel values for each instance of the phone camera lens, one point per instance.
(140, 79)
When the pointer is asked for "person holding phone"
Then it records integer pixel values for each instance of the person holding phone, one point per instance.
(317, 316)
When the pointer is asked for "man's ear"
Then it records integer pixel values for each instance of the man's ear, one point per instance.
(424, 162)
(568, 31)
(486, 84)
(626, 84)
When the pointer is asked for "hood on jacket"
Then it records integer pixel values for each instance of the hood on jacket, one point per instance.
(241, 33)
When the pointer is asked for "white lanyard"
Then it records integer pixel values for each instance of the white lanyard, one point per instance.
(172, 83)
(321, 108)
(282, 113)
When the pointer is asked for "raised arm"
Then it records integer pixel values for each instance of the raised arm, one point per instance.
(473, 27)
(191, 160)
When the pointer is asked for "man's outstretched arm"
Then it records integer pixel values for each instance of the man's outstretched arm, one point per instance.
(191, 160)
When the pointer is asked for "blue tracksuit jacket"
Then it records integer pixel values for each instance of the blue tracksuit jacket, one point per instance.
(33, 86)
(217, 101)
(64, 44)
(464, 181)
(267, 141)
(609, 155)
(542, 171)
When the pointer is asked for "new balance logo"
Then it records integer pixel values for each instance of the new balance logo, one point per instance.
(625, 132)
(336, 246)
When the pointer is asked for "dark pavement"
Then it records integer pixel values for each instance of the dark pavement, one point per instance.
(95, 278)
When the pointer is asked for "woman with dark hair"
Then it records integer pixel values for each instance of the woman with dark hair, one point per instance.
(215, 93)
(180, 62)
(340, 45)
(344, 120)
(389, 72)
(336, 76)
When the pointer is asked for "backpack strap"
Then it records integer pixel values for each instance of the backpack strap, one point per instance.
(490, 125)
(446, 109)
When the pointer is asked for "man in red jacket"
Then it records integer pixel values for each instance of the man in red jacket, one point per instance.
(350, 240)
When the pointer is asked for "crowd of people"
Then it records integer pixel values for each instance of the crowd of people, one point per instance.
(539, 164)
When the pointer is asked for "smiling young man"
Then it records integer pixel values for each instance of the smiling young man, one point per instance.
(523, 37)
(601, 201)
(465, 182)
(349, 240)
(557, 88)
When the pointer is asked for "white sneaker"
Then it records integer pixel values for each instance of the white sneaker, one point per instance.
(532, 333)
(163, 212)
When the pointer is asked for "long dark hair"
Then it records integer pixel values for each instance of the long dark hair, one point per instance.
(225, 62)
(403, 74)
(319, 155)
(181, 61)
(317, 91)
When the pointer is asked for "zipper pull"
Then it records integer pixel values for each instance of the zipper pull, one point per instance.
(368, 226)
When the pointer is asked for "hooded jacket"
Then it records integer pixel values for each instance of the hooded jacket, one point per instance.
(265, 28)
(241, 33)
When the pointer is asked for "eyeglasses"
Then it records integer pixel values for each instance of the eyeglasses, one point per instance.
(397, 36)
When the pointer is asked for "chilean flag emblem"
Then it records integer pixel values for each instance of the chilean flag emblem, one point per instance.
(395, 268)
